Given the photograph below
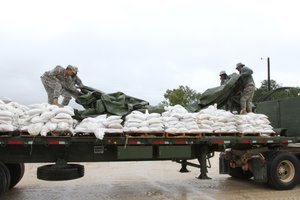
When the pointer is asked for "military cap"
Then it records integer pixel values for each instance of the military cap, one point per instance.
(222, 72)
(239, 65)
(73, 68)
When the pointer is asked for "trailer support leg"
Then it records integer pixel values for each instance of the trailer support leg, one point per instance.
(203, 152)
(183, 167)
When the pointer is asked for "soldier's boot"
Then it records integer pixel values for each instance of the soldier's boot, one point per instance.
(66, 101)
(249, 109)
(243, 111)
(55, 102)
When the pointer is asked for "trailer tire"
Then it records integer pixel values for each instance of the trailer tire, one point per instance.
(239, 173)
(16, 171)
(283, 171)
(4, 179)
(54, 173)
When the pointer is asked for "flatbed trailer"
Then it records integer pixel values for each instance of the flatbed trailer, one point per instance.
(269, 159)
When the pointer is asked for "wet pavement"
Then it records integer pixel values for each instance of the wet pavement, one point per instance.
(143, 180)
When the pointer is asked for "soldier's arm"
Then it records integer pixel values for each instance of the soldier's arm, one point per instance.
(78, 82)
(246, 72)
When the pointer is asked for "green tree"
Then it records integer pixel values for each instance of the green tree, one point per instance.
(278, 95)
(183, 96)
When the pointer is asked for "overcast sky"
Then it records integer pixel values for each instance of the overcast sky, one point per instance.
(143, 48)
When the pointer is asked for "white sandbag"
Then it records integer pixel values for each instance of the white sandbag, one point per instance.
(143, 123)
(4, 118)
(46, 116)
(44, 130)
(7, 122)
(6, 128)
(64, 110)
(113, 117)
(116, 121)
(153, 115)
(34, 112)
(36, 119)
(144, 129)
(35, 129)
(99, 133)
(69, 121)
(171, 130)
(63, 116)
(63, 126)
(134, 120)
(115, 126)
(132, 124)
(154, 120)
(6, 113)
(51, 126)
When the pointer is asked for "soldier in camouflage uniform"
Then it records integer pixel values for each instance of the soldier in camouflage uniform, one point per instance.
(60, 81)
(248, 88)
(224, 77)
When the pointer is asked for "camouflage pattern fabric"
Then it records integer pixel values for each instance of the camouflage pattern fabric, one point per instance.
(246, 98)
(56, 84)
(247, 79)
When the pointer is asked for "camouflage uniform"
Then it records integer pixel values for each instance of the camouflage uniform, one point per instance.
(56, 83)
(223, 81)
(248, 89)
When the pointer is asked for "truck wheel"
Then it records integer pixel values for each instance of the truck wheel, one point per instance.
(16, 173)
(4, 179)
(283, 171)
(55, 173)
(239, 173)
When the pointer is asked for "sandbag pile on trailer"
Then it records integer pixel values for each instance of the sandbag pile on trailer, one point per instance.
(177, 119)
(11, 115)
(137, 121)
(253, 123)
(100, 125)
(216, 120)
(45, 118)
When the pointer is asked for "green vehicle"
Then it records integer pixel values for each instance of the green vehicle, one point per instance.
(272, 159)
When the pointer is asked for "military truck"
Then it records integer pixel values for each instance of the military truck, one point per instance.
(271, 159)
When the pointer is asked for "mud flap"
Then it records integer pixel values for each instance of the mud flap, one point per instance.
(259, 169)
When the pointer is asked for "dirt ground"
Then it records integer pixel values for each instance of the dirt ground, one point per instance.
(143, 180)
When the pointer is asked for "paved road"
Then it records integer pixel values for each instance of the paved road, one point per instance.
(143, 180)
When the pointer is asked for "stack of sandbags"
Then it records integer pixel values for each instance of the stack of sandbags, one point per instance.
(92, 125)
(100, 125)
(45, 118)
(177, 119)
(216, 120)
(11, 115)
(19, 113)
(137, 121)
(6, 119)
(253, 123)
(113, 124)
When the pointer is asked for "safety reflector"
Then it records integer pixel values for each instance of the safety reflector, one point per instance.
(245, 141)
(181, 142)
(56, 142)
(15, 142)
(133, 142)
(158, 142)
(218, 141)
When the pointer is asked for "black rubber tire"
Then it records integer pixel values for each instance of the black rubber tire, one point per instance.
(16, 173)
(273, 165)
(239, 173)
(4, 179)
(52, 173)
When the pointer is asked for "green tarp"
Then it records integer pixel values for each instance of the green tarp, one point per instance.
(97, 102)
(224, 95)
